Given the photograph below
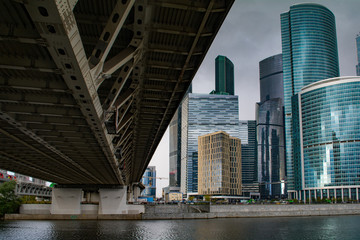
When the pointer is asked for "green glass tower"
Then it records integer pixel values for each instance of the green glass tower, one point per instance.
(309, 48)
(224, 76)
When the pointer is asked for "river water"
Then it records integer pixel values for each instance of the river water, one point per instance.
(334, 227)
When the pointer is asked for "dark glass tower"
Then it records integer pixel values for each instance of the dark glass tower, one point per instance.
(175, 146)
(309, 49)
(271, 78)
(270, 129)
(224, 75)
(249, 157)
(358, 54)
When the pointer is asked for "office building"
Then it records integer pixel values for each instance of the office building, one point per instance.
(203, 114)
(174, 149)
(172, 194)
(358, 54)
(329, 135)
(175, 146)
(250, 185)
(309, 49)
(270, 129)
(271, 148)
(219, 164)
(149, 181)
(271, 78)
(224, 76)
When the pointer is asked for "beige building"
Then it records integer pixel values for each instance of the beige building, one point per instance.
(173, 196)
(219, 164)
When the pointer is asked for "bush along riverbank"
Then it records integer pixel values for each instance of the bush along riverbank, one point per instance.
(9, 202)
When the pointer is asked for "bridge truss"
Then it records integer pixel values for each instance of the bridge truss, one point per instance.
(88, 88)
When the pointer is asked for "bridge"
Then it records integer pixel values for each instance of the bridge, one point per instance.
(88, 87)
(26, 187)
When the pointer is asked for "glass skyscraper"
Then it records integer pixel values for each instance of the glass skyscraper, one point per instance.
(249, 157)
(358, 54)
(175, 146)
(224, 76)
(203, 114)
(309, 48)
(329, 127)
(271, 78)
(270, 129)
(174, 149)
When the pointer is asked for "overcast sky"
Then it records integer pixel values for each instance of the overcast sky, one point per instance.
(249, 34)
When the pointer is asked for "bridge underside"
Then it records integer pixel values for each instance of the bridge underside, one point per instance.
(88, 88)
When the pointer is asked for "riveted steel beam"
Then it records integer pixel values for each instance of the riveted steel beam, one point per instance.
(118, 85)
(109, 34)
(55, 21)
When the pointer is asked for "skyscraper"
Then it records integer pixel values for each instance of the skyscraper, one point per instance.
(271, 78)
(270, 128)
(309, 49)
(175, 146)
(249, 157)
(203, 114)
(219, 164)
(329, 136)
(224, 75)
(358, 54)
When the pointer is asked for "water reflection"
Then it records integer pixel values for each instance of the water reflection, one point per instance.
(341, 227)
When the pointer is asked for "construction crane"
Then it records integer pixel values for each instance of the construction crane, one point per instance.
(155, 177)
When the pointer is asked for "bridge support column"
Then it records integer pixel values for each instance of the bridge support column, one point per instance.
(134, 191)
(66, 201)
(113, 201)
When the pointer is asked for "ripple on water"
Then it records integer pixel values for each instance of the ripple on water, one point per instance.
(339, 227)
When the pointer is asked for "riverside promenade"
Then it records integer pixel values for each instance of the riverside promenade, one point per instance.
(182, 211)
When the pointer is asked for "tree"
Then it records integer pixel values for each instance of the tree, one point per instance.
(9, 202)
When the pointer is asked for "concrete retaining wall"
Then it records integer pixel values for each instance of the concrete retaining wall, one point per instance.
(178, 208)
(284, 210)
(42, 211)
(35, 209)
(72, 217)
(89, 209)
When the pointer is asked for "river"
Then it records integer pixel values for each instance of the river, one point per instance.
(334, 227)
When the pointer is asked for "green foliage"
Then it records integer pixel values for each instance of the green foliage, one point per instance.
(9, 202)
(207, 198)
(191, 198)
(32, 200)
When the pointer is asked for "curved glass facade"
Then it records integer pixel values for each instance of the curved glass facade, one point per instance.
(271, 78)
(330, 129)
(309, 49)
(270, 129)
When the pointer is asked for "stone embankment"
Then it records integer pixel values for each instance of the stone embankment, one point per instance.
(183, 211)
(236, 211)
